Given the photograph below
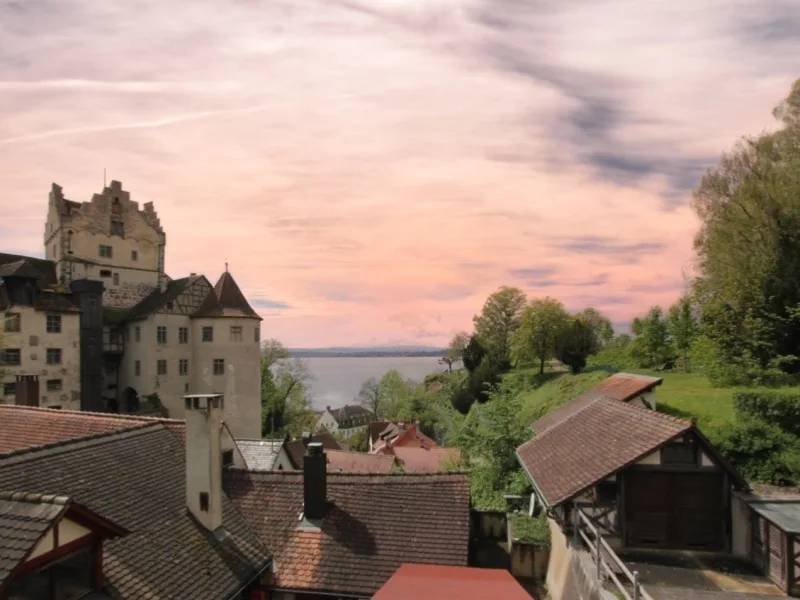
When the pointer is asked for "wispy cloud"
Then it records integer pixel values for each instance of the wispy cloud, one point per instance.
(382, 166)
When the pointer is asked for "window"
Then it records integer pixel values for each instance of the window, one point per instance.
(105, 273)
(12, 356)
(161, 366)
(137, 368)
(53, 323)
(54, 356)
(137, 333)
(183, 366)
(9, 389)
(219, 366)
(170, 305)
(227, 457)
(13, 322)
(183, 335)
(117, 228)
(134, 255)
(204, 501)
(116, 278)
(257, 336)
(53, 385)
(606, 493)
(106, 251)
(161, 334)
(679, 454)
(208, 334)
(236, 333)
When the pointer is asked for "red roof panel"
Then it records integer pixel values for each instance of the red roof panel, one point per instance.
(437, 582)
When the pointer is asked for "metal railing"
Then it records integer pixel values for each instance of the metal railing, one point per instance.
(607, 563)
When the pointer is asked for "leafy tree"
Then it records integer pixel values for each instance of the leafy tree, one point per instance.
(748, 250)
(599, 324)
(651, 344)
(371, 397)
(285, 403)
(455, 351)
(542, 323)
(682, 328)
(473, 354)
(359, 441)
(499, 319)
(576, 343)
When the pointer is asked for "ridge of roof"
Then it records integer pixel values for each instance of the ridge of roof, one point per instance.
(89, 413)
(35, 498)
(357, 477)
(45, 450)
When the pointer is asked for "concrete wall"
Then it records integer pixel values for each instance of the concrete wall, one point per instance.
(741, 532)
(529, 561)
(570, 571)
(33, 342)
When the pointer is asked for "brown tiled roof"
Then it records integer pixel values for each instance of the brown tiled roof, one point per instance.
(620, 386)
(373, 524)
(435, 582)
(136, 478)
(358, 462)
(376, 428)
(45, 268)
(156, 299)
(296, 449)
(591, 444)
(425, 460)
(228, 301)
(350, 415)
(28, 426)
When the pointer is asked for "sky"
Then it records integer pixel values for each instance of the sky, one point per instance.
(372, 170)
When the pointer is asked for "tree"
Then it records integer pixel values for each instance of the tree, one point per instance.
(455, 351)
(499, 319)
(473, 354)
(682, 328)
(542, 323)
(285, 403)
(576, 343)
(370, 396)
(748, 251)
(599, 324)
(359, 441)
(651, 342)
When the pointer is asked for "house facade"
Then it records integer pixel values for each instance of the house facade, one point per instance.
(161, 337)
(345, 421)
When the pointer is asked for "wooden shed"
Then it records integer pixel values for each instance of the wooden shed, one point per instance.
(775, 547)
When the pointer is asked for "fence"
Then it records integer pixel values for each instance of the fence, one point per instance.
(607, 563)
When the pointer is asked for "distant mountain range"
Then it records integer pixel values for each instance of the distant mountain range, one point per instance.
(366, 351)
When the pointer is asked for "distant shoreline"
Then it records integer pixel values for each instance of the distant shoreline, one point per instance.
(365, 354)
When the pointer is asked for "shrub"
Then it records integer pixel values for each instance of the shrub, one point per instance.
(761, 451)
(534, 531)
(779, 407)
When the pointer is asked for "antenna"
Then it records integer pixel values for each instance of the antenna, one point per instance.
(226, 265)
(104, 178)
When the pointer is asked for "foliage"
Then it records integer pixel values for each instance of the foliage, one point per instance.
(499, 319)
(535, 531)
(359, 441)
(477, 386)
(682, 328)
(781, 407)
(748, 250)
(599, 324)
(760, 451)
(150, 404)
(473, 354)
(616, 353)
(651, 345)
(542, 322)
(371, 397)
(575, 344)
(562, 387)
(285, 402)
(455, 351)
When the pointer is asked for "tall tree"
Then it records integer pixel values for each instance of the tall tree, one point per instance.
(576, 342)
(651, 341)
(371, 397)
(541, 324)
(285, 402)
(682, 328)
(598, 323)
(455, 351)
(499, 319)
(473, 354)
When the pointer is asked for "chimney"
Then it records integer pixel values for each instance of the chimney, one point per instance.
(204, 458)
(315, 481)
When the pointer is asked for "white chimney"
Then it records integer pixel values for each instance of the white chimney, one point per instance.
(204, 458)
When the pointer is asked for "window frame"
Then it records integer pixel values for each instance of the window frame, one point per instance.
(56, 319)
(54, 387)
(161, 334)
(208, 334)
(218, 366)
(105, 251)
(54, 352)
(14, 317)
(161, 362)
(183, 335)
(183, 366)
(236, 334)
(4, 357)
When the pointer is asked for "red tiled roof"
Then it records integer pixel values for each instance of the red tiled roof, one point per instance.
(29, 426)
(412, 437)
(598, 440)
(620, 386)
(436, 582)
(359, 462)
(373, 524)
(424, 460)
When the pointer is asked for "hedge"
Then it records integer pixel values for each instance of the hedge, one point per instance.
(778, 407)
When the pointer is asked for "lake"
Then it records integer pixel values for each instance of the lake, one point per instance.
(337, 379)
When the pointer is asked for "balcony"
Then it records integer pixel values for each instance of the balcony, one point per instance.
(113, 340)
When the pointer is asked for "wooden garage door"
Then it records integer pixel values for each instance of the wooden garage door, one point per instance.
(674, 510)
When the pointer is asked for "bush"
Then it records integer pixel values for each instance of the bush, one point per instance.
(761, 451)
(529, 530)
(781, 407)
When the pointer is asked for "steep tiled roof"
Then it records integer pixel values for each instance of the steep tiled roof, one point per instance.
(24, 519)
(260, 454)
(350, 414)
(435, 582)
(425, 460)
(228, 301)
(296, 449)
(376, 428)
(373, 524)
(27, 426)
(45, 268)
(598, 440)
(137, 479)
(620, 386)
(358, 462)
(156, 299)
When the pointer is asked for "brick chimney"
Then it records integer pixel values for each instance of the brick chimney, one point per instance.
(204, 458)
(315, 481)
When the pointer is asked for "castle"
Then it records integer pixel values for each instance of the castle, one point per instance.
(129, 331)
